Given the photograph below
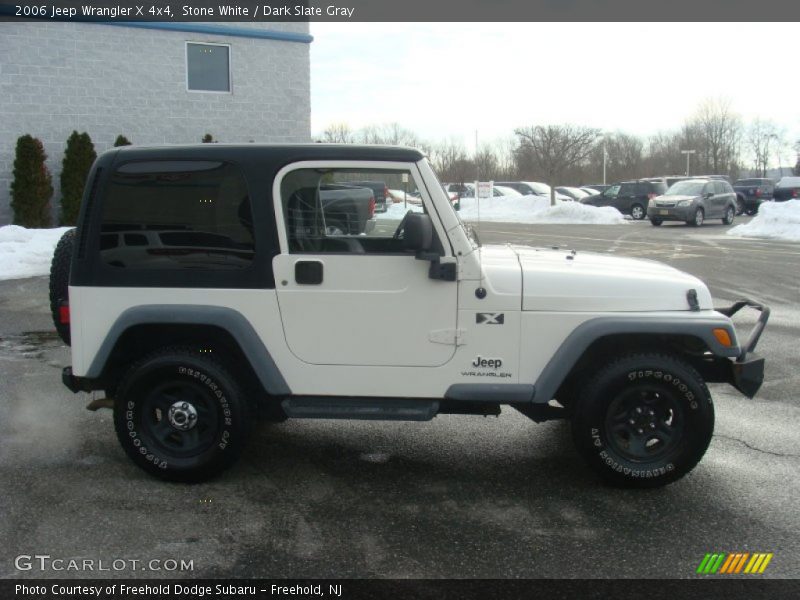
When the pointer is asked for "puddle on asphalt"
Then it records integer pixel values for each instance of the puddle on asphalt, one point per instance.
(29, 344)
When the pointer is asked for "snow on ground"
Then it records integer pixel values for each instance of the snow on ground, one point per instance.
(523, 209)
(537, 209)
(27, 252)
(778, 220)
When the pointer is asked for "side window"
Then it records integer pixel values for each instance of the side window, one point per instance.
(177, 215)
(720, 187)
(627, 189)
(612, 191)
(708, 188)
(335, 210)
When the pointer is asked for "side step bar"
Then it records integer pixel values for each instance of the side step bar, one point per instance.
(384, 409)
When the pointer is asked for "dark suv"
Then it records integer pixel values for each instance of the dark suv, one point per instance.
(750, 193)
(693, 201)
(629, 197)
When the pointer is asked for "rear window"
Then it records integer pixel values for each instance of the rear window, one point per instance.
(750, 182)
(177, 215)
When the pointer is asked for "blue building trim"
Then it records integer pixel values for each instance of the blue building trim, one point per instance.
(187, 27)
(227, 30)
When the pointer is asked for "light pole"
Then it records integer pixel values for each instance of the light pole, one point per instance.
(777, 153)
(603, 137)
(688, 154)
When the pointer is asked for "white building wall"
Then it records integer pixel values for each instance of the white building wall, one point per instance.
(110, 80)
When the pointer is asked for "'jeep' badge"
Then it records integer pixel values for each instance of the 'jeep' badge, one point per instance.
(489, 318)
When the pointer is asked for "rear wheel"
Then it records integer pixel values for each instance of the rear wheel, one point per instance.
(59, 283)
(656, 222)
(644, 420)
(729, 214)
(637, 212)
(181, 415)
(739, 205)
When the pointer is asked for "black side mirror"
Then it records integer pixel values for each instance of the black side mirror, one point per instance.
(418, 232)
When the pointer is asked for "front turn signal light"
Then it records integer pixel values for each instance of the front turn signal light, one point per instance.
(723, 337)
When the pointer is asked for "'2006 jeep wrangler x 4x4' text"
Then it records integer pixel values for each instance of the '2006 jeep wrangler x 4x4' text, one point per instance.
(206, 284)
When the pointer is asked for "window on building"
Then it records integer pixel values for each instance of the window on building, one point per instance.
(208, 67)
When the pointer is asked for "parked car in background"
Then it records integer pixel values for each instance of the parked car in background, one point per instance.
(381, 191)
(750, 193)
(629, 197)
(502, 190)
(533, 188)
(572, 192)
(693, 201)
(670, 180)
(598, 188)
(788, 188)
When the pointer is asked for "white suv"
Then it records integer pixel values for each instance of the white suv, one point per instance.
(258, 307)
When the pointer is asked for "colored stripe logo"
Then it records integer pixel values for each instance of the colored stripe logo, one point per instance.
(734, 563)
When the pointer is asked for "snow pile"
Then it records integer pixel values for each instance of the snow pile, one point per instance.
(537, 209)
(27, 252)
(779, 220)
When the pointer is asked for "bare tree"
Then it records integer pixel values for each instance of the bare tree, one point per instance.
(719, 130)
(338, 133)
(554, 148)
(392, 134)
(761, 137)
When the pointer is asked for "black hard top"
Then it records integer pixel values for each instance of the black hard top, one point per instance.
(270, 153)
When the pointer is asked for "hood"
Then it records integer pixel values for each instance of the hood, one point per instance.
(678, 198)
(552, 281)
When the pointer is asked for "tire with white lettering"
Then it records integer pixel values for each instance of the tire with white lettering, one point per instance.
(644, 420)
(181, 415)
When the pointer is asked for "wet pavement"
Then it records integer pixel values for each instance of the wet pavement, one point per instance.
(459, 496)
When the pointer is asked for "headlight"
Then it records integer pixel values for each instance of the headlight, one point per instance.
(684, 203)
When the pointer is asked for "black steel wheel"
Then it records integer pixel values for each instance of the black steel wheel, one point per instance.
(181, 415)
(644, 420)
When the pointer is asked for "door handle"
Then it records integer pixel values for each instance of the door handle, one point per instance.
(308, 272)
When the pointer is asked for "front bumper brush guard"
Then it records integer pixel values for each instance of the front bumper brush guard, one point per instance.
(755, 335)
(747, 372)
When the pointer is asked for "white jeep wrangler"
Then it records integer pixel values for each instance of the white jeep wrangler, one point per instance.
(206, 285)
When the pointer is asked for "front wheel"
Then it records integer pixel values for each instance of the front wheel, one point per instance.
(181, 415)
(697, 219)
(637, 212)
(643, 421)
(729, 214)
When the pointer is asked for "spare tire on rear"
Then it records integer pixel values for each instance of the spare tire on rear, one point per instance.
(59, 282)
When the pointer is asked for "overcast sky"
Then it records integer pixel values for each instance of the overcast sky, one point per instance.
(449, 79)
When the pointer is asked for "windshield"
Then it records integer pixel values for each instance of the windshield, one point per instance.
(541, 189)
(686, 188)
(749, 182)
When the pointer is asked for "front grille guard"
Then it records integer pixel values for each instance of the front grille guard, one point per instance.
(750, 346)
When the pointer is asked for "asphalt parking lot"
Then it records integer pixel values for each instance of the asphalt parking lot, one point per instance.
(459, 496)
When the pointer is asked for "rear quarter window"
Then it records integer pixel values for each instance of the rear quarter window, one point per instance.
(177, 215)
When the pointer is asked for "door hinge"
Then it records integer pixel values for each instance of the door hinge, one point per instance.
(448, 336)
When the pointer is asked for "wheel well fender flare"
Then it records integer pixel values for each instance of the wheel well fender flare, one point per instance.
(227, 319)
(582, 337)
